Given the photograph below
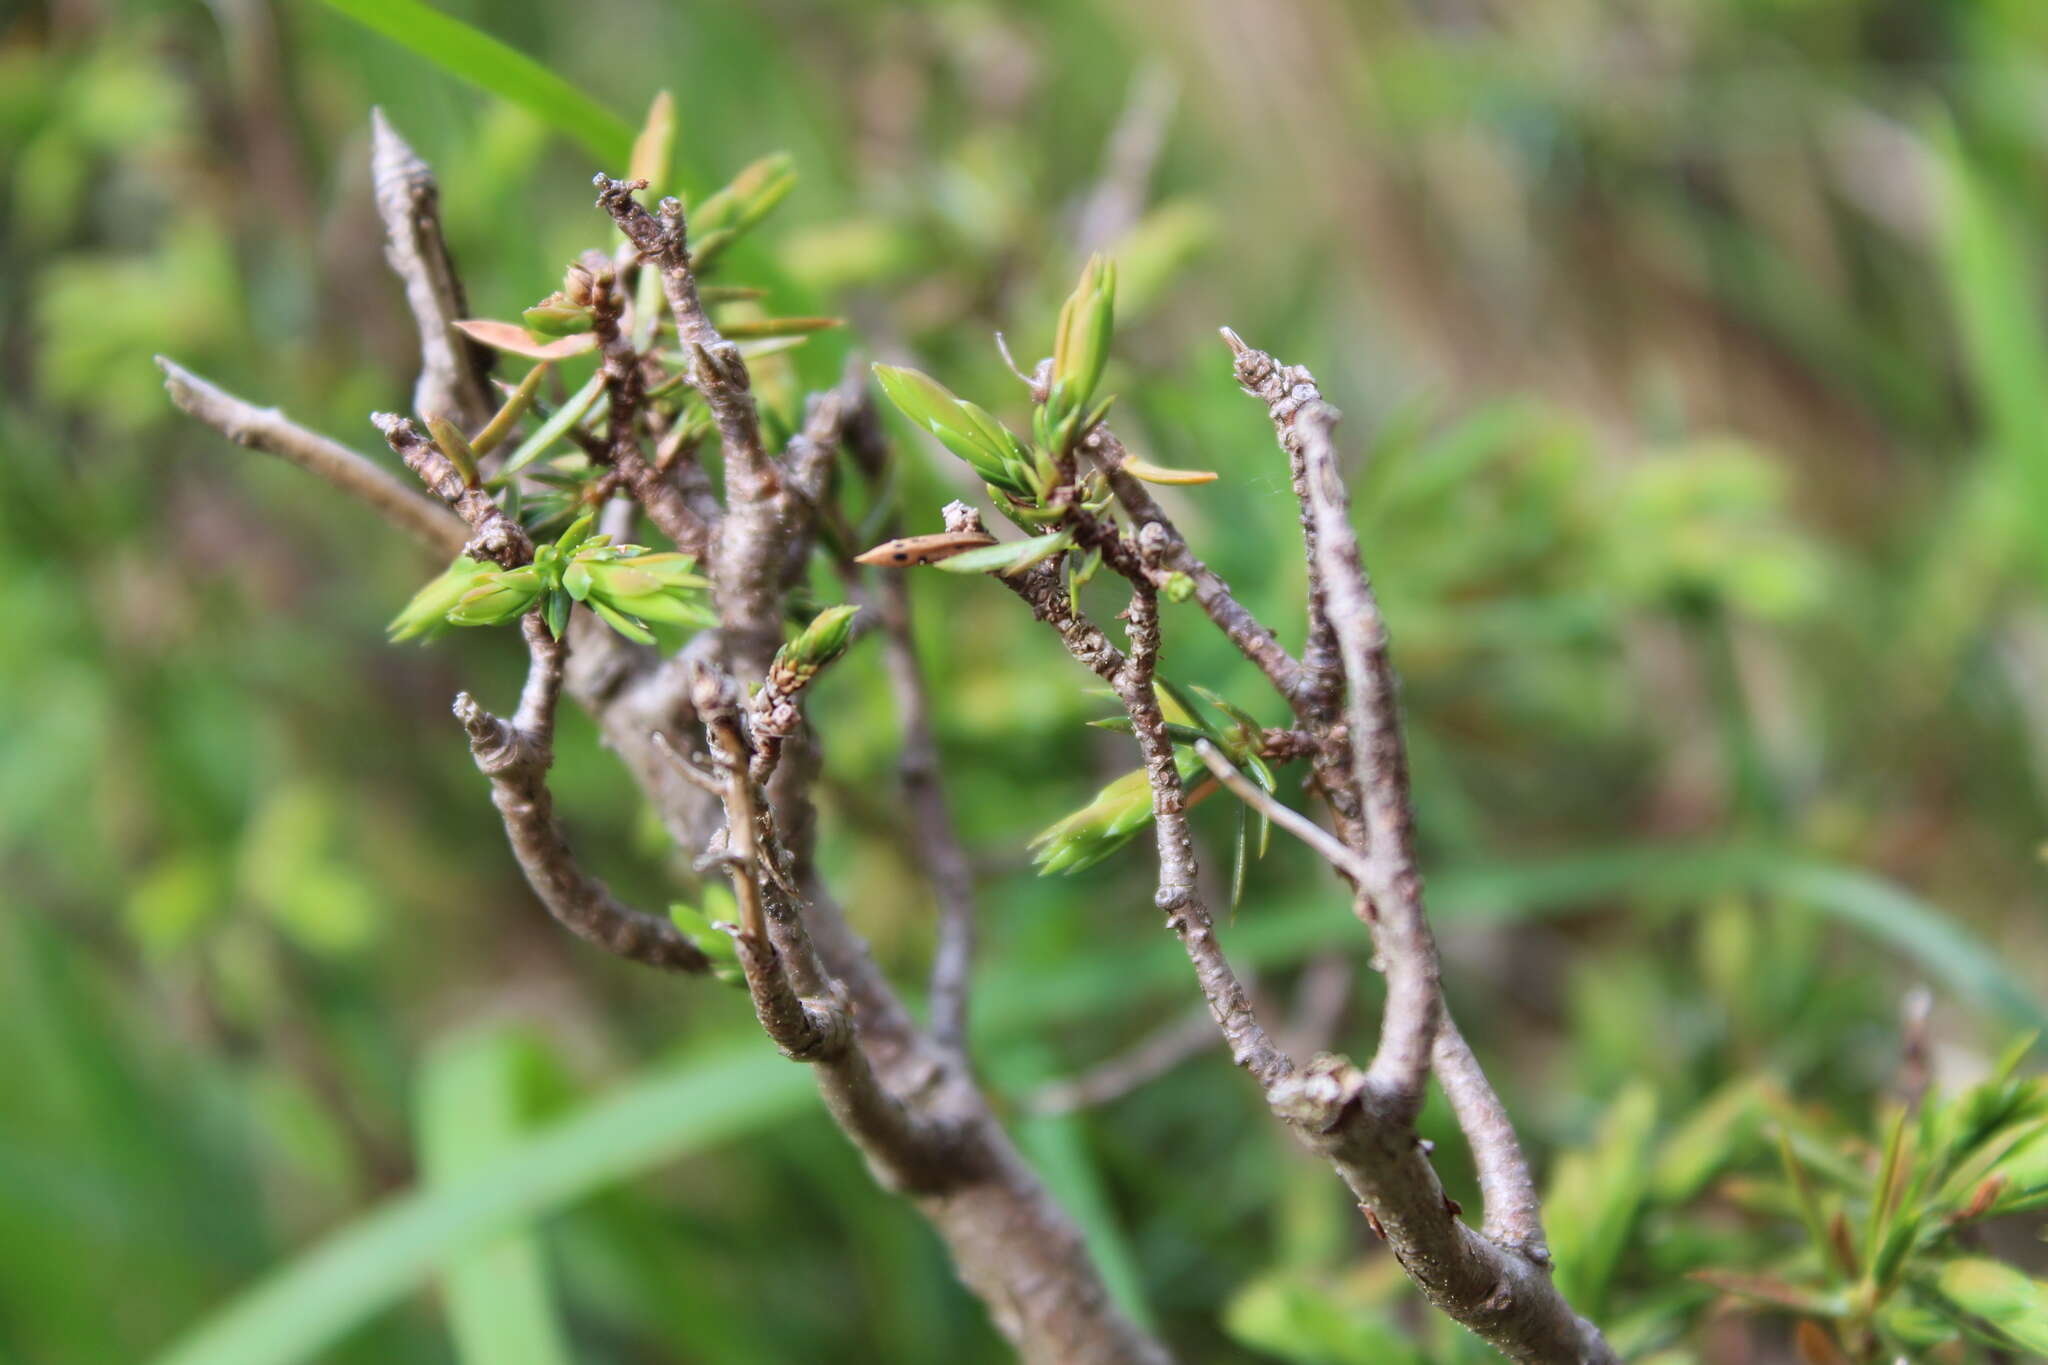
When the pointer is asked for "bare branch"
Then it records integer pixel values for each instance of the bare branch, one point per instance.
(1320, 998)
(515, 755)
(452, 367)
(913, 1107)
(666, 506)
(943, 858)
(799, 1006)
(1178, 897)
(1167, 553)
(1380, 768)
(808, 459)
(691, 773)
(495, 533)
(1285, 390)
(1502, 1295)
(270, 431)
(1154, 1055)
(1325, 844)
(1513, 1214)
(717, 370)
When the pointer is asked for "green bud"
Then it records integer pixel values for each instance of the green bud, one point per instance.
(555, 316)
(632, 590)
(576, 580)
(824, 639)
(577, 534)
(710, 247)
(555, 613)
(988, 447)
(499, 596)
(817, 645)
(1108, 822)
(730, 203)
(649, 160)
(1085, 570)
(731, 212)
(1025, 513)
(454, 445)
(1178, 587)
(636, 631)
(1081, 345)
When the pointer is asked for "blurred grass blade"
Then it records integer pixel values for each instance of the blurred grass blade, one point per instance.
(297, 1312)
(1993, 289)
(474, 56)
(1057, 1146)
(501, 1309)
(1596, 1194)
(1962, 961)
(654, 146)
(1946, 948)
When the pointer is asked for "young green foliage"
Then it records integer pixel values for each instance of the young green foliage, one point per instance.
(1885, 1220)
(988, 447)
(1124, 807)
(815, 647)
(427, 613)
(1080, 350)
(706, 927)
(635, 591)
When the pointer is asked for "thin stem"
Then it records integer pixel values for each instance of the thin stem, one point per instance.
(452, 380)
(1285, 389)
(1166, 552)
(495, 533)
(515, 755)
(270, 431)
(1393, 879)
(944, 859)
(627, 386)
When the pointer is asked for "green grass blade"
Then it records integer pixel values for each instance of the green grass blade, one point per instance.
(301, 1309)
(1993, 288)
(501, 1309)
(474, 56)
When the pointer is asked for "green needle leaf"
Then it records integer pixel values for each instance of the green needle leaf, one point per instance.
(1009, 558)
(554, 429)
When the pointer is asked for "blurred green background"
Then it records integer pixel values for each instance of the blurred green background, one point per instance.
(1699, 352)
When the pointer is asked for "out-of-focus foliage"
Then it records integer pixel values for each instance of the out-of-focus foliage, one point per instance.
(1693, 352)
